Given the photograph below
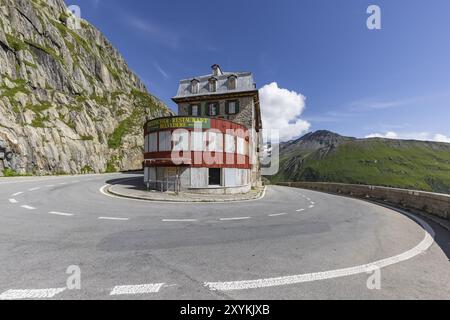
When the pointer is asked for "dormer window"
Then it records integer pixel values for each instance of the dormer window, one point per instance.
(232, 83)
(213, 84)
(194, 86)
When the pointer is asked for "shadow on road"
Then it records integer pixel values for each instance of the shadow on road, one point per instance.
(130, 182)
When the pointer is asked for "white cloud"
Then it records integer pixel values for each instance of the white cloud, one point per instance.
(425, 136)
(161, 70)
(154, 31)
(281, 110)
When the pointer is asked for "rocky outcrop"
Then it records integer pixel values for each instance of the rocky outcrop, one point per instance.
(68, 101)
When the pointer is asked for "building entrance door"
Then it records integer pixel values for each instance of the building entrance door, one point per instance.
(215, 177)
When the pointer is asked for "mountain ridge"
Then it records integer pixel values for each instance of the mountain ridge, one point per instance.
(324, 156)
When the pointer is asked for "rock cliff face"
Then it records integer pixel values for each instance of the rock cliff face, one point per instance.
(68, 101)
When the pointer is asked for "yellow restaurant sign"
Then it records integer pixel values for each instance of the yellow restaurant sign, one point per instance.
(178, 122)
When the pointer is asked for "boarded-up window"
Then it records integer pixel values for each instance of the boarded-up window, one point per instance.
(198, 141)
(180, 140)
(146, 145)
(230, 144)
(232, 81)
(165, 141)
(199, 177)
(241, 149)
(215, 141)
(153, 142)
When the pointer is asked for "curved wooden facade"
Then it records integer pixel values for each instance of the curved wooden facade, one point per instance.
(217, 135)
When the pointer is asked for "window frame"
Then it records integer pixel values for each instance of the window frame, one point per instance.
(213, 85)
(234, 79)
(195, 86)
(215, 106)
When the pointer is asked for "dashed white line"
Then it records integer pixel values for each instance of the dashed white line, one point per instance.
(180, 220)
(13, 201)
(17, 194)
(62, 183)
(277, 214)
(237, 218)
(300, 210)
(30, 294)
(61, 214)
(50, 186)
(28, 207)
(311, 206)
(136, 289)
(113, 218)
(34, 189)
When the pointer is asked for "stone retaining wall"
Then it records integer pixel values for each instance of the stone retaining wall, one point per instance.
(432, 203)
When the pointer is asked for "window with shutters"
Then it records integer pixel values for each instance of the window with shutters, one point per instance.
(232, 107)
(213, 109)
(195, 110)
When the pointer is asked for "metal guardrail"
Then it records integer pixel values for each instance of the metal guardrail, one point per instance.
(166, 185)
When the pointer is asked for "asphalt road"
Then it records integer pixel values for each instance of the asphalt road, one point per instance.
(292, 244)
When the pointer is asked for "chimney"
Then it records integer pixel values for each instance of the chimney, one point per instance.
(216, 71)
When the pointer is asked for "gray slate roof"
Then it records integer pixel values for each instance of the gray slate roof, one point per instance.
(245, 82)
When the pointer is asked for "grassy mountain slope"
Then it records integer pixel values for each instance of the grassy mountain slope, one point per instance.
(394, 163)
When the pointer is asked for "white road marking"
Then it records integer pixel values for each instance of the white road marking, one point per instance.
(180, 220)
(34, 189)
(31, 294)
(62, 183)
(423, 246)
(112, 218)
(28, 207)
(136, 289)
(311, 206)
(300, 210)
(13, 201)
(102, 190)
(17, 194)
(61, 214)
(237, 218)
(50, 186)
(277, 214)
(312, 202)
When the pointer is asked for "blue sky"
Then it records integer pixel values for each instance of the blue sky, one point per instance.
(356, 81)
